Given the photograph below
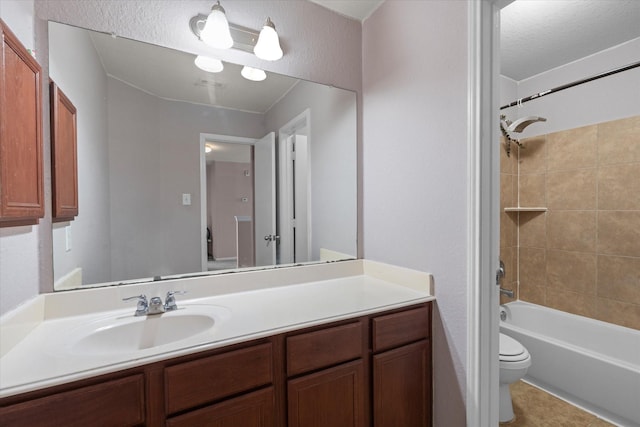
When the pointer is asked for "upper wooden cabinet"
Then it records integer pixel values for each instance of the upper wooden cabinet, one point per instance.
(64, 162)
(21, 174)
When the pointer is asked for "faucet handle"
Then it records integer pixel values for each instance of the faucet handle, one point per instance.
(143, 306)
(170, 300)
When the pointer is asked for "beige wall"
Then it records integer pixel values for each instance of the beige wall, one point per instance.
(583, 255)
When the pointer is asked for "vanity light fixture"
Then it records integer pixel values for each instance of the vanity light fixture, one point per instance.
(254, 74)
(210, 65)
(268, 46)
(216, 31)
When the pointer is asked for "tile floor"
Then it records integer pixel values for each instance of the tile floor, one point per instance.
(536, 408)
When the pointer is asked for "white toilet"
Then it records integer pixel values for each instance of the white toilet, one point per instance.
(514, 362)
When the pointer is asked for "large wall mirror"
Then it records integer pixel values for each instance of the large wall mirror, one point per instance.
(183, 171)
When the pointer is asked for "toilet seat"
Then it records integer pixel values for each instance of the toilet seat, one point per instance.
(511, 350)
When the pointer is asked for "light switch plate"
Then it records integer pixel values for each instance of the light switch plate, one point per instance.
(186, 199)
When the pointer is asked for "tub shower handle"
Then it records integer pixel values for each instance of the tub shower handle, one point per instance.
(500, 273)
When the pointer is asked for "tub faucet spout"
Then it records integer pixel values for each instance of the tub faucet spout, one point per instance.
(507, 292)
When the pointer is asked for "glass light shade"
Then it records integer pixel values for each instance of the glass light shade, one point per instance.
(210, 65)
(254, 74)
(216, 31)
(268, 46)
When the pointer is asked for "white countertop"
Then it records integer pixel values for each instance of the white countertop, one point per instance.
(38, 357)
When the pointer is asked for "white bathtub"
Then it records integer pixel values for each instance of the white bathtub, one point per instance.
(593, 364)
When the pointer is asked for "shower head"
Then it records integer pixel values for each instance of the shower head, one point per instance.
(520, 124)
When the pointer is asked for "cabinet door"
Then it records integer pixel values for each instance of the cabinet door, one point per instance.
(251, 410)
(402, 386)
(21, 176)
(64, 169)
(332, 397)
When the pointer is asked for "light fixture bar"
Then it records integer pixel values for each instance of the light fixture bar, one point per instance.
(243, 38)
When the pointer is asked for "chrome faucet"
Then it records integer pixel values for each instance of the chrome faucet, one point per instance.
(170, 300)
(143, 306)
(155, 305)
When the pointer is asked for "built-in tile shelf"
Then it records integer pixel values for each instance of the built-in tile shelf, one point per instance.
(525, 209)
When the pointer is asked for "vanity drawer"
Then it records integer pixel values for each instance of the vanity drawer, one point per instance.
(253, 409)
(205, 380)
(112, 403)
(326, 347)
(396, 329)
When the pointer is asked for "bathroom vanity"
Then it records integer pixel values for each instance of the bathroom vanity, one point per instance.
(340, 344)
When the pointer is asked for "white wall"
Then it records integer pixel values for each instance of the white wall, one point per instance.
(76, 68)
(154, 156)
(19, 246)
(610, 98)
(333, 158)
(415, 168)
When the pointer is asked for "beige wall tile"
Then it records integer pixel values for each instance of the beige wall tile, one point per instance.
(617, 312)
(532, 267)
(532, 294)
(506, 191)
(532, 190)
(619, 186)
(533, 158)
(571, 271)
(573, 149)
(619, 233)
(574, 189)
(571, 230)
(571, 302)
(619, 278)
(508, 229)
(616, 141)
(532, 229)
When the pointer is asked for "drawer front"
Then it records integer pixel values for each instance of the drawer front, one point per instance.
(112, 403)
(401, 328)
(204, 380)
(251, 410)
(326, 347)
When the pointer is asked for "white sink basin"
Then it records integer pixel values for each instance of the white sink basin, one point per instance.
(130, 334)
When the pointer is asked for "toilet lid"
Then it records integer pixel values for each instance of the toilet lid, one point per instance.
(509, 346)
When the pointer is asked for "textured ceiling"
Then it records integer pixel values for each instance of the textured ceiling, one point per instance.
(539, 35)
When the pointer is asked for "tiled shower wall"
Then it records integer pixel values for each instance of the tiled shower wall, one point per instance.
(583, 255)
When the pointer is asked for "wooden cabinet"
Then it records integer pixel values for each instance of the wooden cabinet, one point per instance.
(401, 369)
(330, 392)
(331, 397)
(373, 370)
(64, 161)
(206, 380)
(118, 402)
(255, 409)
(21, 173)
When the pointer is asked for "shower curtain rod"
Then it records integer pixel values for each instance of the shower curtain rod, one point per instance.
(569, 85)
